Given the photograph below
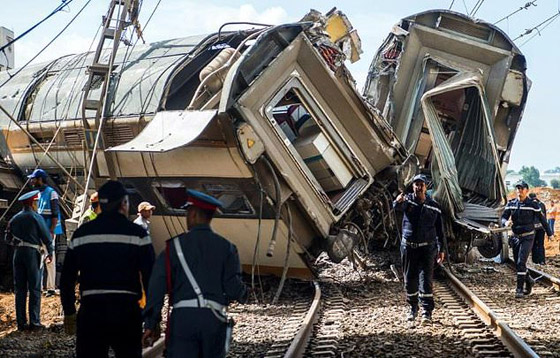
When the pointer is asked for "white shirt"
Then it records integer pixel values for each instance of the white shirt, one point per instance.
(143, 222)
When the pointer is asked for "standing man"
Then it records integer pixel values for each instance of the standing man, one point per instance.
(552, 212)
(27, 231)
(538, 252)
(522, 213)
(94, 209)
(114, 258)
(201, 272)
(49, 209)
(422, 242)
(145, 210)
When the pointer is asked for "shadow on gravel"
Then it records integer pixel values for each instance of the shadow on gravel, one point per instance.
(245, 350)
(51, 342)
(411, 342)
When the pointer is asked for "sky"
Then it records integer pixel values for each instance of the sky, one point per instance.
(537, 141)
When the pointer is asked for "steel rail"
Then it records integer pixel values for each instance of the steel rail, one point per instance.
(540, 276)
(517, 346)
(299, 343)
(155, 351)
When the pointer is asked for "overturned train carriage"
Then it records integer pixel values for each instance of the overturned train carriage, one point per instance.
(268, 121)
(454, 89)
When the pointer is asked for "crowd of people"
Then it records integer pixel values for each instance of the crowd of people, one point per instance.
(121, 283)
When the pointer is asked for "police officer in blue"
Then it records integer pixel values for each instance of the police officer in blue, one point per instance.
(27, 232)
(202, 273)
(422, 242)
(114, 258)
(522, 213)
(48, 208)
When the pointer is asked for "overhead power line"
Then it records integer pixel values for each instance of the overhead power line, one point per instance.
(524, 7)
(453, 2)
(476, 7)
(58, 9)
(547, 22)
(46, 46)
(466, 8)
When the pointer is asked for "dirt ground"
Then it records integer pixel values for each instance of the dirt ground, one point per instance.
(50, 342)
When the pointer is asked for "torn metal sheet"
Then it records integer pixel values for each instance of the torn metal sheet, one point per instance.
(475, 159)
(168, 130)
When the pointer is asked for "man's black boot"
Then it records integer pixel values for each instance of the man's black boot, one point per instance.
(520, 282)
(411, 316)
(529, 283)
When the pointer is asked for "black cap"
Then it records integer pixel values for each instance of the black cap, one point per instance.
(420, 177)
(522, 184)
(111, 191)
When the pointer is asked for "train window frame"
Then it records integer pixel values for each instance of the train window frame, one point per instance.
(325, 125)
(213, 188)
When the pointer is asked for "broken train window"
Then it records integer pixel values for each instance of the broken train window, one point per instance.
(307, 136)
(174, 195)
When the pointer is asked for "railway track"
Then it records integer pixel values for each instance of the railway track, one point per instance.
(365, 318)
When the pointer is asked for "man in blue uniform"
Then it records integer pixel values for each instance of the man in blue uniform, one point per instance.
(422, 241)
(538, 251)
(201, 272)
(27, 232)
(522, 213)
(49, 209)
(114, 258)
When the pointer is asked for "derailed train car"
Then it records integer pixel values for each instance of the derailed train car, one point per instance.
(454, 89)
(268, 121)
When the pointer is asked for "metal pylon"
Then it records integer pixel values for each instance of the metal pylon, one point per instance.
(121, 14)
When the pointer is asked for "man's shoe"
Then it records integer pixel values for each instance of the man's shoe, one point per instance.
(22, 328)
(519, 294)
(36, 327)
(426, 318)
(50, 293)
(529, 286)
(411, 316)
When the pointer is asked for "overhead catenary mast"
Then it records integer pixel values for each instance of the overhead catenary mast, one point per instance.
(121, 14)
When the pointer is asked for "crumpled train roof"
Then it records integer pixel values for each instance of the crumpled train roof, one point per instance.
(143, 72)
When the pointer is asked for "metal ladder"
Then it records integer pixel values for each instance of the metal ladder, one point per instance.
(121, 14)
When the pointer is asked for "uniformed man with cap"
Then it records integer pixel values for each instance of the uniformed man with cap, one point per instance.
(201, 272)
(114, 258)
(422, 242)
(27, 232)
(522, 213)
(48, 208)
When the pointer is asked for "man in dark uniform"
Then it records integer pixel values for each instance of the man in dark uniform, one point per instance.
(538, 253)
(201, 271)
(48, 208)
(114, 258)
(27, 232)
(522, 213)
(422, 241)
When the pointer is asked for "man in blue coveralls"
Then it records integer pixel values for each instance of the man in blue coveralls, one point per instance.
(522, 213)
(27, 232)
(422, 242)
(48, 208)
(201, 272)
